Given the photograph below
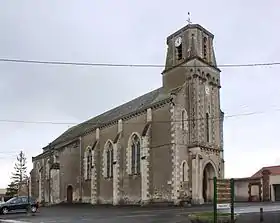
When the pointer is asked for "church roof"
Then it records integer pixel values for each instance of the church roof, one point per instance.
(142, 102)
(189, 26)
(274, 170)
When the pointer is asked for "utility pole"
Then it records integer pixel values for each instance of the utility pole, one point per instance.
(49, 184)
(28, 196)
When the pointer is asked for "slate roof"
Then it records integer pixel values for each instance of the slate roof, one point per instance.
(274, 170)
(130, 107)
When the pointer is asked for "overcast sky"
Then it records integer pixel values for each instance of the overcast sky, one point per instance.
(133, 32)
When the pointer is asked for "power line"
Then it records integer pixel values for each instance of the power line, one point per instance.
(9, 152)
(4, 156)
(151, 147)
(130, 123)
(128, 65)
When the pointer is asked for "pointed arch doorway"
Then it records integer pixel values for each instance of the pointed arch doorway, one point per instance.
(207, 182)
(69, 194)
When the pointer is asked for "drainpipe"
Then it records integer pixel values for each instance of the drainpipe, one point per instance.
(49, 174)
(81, 170)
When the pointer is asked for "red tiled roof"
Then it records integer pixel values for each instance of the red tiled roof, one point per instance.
(247, 179)
(274, 170)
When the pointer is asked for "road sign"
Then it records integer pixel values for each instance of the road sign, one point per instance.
(223, 196)
(223, 206)
(223, 193)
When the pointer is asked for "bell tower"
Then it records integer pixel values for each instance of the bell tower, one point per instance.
(191, 62)
(191, 66)
(184, 46)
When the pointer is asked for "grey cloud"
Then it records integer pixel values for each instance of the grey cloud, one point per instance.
(123, 32)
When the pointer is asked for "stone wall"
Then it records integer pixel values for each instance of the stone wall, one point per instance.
(153, 184)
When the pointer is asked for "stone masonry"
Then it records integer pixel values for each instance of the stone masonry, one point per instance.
(164, 146)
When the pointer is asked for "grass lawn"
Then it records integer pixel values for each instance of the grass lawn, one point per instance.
(209, 216)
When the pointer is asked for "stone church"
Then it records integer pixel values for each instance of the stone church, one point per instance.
(164, 146)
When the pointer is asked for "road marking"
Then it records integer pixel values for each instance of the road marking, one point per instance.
(158, 211)
(137, 215)
(13, 221)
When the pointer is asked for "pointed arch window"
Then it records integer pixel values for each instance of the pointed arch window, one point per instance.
(207, 128)
(89, 163)
(135, 154)
(185, 169)
(205, 40)
(179, 52)
(108, 160)
(184, 120)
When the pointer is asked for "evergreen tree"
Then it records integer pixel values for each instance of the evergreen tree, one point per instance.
(19, 176)
(12, 190)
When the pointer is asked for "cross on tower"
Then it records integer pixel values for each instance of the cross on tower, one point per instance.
(189, 18)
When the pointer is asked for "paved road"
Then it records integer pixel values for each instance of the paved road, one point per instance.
(83, 213)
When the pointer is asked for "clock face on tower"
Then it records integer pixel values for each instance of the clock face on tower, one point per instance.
(178, 41)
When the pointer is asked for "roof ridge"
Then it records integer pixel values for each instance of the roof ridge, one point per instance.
(115, 108)
(264, 168)
(271, 166)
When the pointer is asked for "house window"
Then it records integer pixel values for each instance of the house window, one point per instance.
(135, 154)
